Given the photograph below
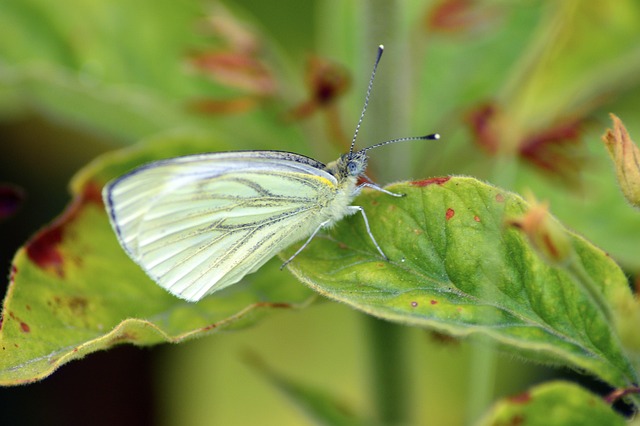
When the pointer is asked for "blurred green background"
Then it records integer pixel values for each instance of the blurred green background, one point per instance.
(519, 90)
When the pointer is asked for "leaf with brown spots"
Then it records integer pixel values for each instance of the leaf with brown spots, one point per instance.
(553, 404)
(457, 268)
(74, 291)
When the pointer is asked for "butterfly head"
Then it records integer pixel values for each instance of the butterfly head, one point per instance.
(349, 164)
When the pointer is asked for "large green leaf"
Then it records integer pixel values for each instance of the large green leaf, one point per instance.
(553, 404)
(456, 268)
(74, 291)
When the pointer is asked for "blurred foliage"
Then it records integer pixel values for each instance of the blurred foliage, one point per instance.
(520, 92)
(554, 403)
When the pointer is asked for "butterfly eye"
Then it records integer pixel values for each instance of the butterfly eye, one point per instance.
(353, 168)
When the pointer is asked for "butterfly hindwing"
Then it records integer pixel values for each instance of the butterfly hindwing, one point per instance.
(197, 224)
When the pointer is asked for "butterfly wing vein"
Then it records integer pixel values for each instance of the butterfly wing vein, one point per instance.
(198, 224)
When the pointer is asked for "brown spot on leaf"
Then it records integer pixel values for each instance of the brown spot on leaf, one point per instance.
(434, 302)
(431, 181)
(450, 213)
(414, 304)
(24, 327)
(91, 193)
(209, 327)
(500, 198)
(78, 305)
(418, 231)
(43, 248)
(476, 218)
(123, 337)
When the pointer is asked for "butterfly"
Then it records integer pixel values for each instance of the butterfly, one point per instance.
(199, 223)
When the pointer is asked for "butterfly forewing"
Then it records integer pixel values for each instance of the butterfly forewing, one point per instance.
(200, 223)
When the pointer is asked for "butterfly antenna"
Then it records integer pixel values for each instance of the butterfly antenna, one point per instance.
(366, 99)
(433, 136)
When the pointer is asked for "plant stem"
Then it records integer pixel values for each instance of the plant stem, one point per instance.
(481, 380)
(388, 372)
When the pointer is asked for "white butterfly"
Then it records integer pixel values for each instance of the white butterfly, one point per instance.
(199, 223)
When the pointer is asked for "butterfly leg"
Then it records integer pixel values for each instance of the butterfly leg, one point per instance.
(378, 188)
(366, 224)
(306, 243)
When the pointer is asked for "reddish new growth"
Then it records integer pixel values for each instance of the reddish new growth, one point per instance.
(236, 69)
(522, 398)
(326, 82)
(554, 149)
(482, 122)
(454, 16)
(431, 181)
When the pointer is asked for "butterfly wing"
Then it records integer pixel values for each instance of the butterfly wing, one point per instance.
(197, 224)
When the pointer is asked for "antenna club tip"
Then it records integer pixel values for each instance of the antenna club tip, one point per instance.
(381, 46)
(433, 136)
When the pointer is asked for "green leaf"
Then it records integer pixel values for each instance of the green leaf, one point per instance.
(74, 291)
(571, 63)
(77, 62)
(553, 404)
(456, 268)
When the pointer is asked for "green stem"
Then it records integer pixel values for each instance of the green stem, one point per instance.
(384, 22)
(481, 380)
(484, 361)
(389, 389)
